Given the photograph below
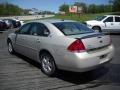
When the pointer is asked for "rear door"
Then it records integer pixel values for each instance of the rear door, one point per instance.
(37, 35)
(117, 23)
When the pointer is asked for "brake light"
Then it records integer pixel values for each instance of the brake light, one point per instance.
(76, 46)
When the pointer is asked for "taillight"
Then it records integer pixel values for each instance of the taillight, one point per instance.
(76, 46)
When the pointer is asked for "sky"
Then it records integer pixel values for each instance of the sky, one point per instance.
(51, 5)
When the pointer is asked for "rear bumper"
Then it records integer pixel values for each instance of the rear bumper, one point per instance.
(85, 61)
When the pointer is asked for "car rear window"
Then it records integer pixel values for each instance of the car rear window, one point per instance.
(72, 28)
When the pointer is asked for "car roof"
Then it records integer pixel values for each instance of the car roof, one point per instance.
(1, 20)
(111, 15)
(52, 21)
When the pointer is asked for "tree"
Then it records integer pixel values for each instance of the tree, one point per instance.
(116, 5)
(99, 8)
(64, 8)
(92, 8)
(108, 8)
(10, 9)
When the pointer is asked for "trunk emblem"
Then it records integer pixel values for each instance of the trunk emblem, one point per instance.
(99, 37)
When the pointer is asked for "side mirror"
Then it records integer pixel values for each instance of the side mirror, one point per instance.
(104, 21)
(17, 31)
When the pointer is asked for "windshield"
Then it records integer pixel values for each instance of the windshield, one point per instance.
(72, 28)
(100, 18)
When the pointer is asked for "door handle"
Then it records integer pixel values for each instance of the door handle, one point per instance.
(38, 41)
(112, 24)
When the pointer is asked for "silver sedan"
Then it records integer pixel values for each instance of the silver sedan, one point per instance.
(61, 44)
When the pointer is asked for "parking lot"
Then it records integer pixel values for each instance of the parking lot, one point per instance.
(20, 73)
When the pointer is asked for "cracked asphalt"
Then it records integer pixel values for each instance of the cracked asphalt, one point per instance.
(20, 73)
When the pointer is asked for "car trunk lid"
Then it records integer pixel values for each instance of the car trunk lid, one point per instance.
(94, 41)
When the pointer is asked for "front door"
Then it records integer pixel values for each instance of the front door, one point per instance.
(109, 24)
(21, 40)
(117, 24)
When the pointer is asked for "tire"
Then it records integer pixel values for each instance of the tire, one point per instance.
(48, 66)
(97, 28)
(11, 26)
(10, 47)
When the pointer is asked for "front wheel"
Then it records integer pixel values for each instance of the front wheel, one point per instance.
(47, 64)
(96, 28)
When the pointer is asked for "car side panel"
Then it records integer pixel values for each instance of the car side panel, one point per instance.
(55, 45)
(21, 44)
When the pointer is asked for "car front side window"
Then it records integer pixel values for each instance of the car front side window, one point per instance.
(109, 19)
(25, 29)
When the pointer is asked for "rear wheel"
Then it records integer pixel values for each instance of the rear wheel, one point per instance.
(97, 28)
(47, 64)
(10, 47)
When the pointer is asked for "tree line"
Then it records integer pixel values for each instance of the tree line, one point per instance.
(113, 6)
(10, 9)
(7, 9)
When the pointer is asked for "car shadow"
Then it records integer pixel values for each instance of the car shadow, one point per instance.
(82, 78)
(72, 77)
(106, 74)
(28, 60)
(1, 32)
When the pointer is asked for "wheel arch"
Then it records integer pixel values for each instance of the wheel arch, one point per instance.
(100, 29)
(46, 51)
(97, 26)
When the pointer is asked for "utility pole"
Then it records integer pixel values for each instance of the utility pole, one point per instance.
(5, 6)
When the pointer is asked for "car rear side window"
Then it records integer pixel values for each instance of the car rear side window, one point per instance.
(72, 28)
(117, 19)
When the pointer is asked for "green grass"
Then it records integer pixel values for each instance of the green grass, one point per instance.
(81, 17)
(77, 17)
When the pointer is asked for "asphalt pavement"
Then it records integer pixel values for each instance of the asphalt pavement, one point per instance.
(20, 73)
